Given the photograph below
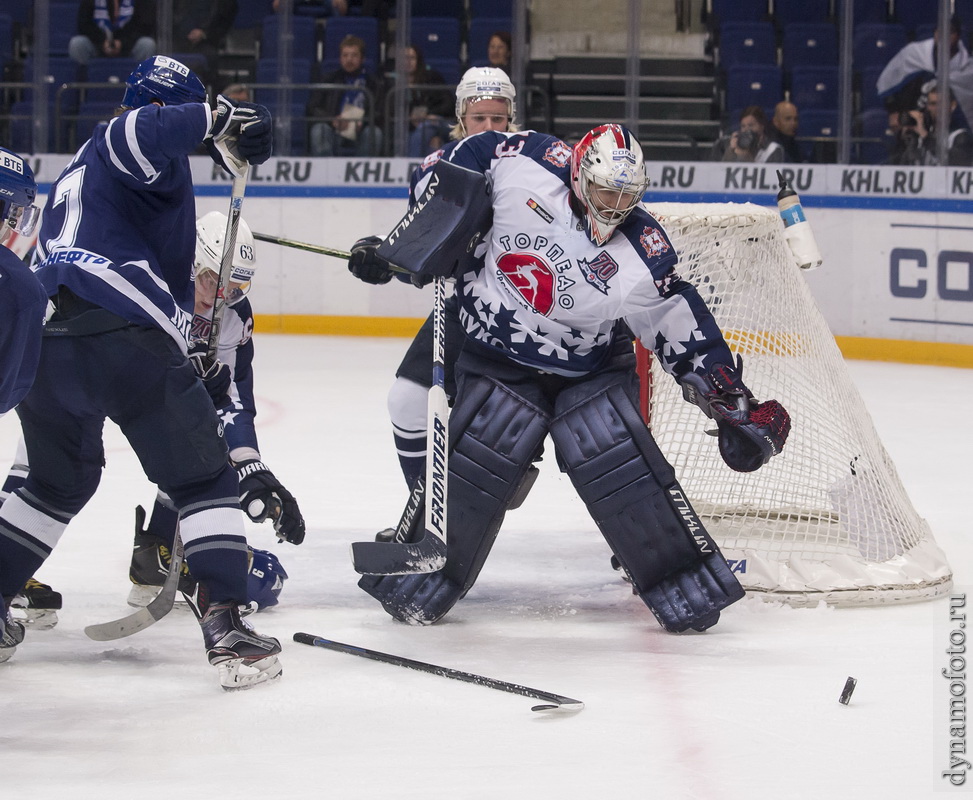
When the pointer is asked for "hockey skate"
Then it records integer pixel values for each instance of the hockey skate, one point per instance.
(243, 657)
(150, 566)
(36, 606)
(11, 634)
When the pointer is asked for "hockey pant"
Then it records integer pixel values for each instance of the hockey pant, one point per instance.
(494, 436)
(139, 378)
(632, 493)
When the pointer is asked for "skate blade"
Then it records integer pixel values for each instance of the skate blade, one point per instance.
(237, 675)
(140, 595)
(37, 619)
(6, 653)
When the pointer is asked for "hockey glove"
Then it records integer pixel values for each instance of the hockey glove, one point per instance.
(262, 496)
(750, 433)
(215, 376)
(242, 133)
(366, 265)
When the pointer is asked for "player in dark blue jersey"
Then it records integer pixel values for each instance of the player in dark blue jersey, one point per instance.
(23, 305)
(115, 255)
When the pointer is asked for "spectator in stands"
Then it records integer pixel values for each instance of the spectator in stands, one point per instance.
(113, 29)
(343, 130)
(499, 50)
(750, 141)
(430, 109)
(916, 143)
(328, 8)
(900, 83)
(783, 130)
(238, 92)
(200, 27)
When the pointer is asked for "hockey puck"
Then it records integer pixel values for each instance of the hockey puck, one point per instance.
(850, 685)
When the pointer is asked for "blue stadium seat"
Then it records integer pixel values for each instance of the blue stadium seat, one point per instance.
(267, 72)
(814, 88)
(493, 8)
(6, 41)
(789, 12)
(868, 98)
(438, 8)
(304, 45)
(449, 68)
(874, 45)
(866, 11)
(478, 38)
(19, 10)
(747, 43)
(924, 32)
(813, 43)
(723, 11)
(964, 10)
(108, 70)
(820, 123)
(753, 85)
(872, 124)
(436, 37)
(365, 28)
(914, 14)
(252, 13)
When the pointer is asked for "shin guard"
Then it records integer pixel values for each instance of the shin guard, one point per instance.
(632, 493)
(494, 436)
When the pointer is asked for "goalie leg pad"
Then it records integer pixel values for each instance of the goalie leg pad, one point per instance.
(494, 435)
(632, 493)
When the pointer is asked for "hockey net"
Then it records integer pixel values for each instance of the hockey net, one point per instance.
(829, 518)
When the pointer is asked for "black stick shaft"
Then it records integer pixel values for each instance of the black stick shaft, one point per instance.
(555, 701)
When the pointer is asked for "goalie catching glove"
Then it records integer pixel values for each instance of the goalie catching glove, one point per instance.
(262, 496)
(242, 134)
(750, 433)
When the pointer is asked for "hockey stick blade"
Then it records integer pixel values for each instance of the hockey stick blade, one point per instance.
(399, 558)
(552, 702)
(150, 614)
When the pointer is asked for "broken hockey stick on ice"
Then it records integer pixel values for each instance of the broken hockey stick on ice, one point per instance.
(428, 554)
(153, 612)
(552, 702)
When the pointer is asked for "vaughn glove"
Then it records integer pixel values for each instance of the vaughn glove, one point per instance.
(366, 265)
(242, 134)
(263, 497)
(215, 376)
(750, 433)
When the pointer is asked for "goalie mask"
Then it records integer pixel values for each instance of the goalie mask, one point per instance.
(484, 83)
(608, 177)
(162, 79)
(17, 193)
(210, 232)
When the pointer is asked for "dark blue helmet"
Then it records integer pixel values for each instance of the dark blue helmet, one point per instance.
(164, 79)
(265, 580)
(17, 193)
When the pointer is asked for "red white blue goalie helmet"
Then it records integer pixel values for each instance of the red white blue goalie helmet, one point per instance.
(485, 83)
(18, 191)
(608, 177)
(164, 79)
(210, 233)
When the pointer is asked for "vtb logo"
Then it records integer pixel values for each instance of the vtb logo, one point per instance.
(532, 278)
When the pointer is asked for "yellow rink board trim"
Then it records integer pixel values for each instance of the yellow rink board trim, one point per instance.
(896, 350)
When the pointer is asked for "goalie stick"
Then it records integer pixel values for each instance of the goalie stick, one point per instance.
(150, 614)
(552, 702)
(428, 554)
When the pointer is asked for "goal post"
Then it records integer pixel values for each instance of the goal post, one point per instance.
(828, 519)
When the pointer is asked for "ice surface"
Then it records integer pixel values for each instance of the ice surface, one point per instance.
(747, 710)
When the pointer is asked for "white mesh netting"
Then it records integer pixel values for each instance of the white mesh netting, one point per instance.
(828, 519)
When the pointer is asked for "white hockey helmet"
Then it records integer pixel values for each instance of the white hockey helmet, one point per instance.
(608, 177)
(210, 230)
(485, 83)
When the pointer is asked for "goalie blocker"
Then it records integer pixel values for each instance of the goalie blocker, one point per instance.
(496, 429)
(439, 235)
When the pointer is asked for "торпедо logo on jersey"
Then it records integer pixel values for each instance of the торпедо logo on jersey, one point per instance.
(532, 279)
